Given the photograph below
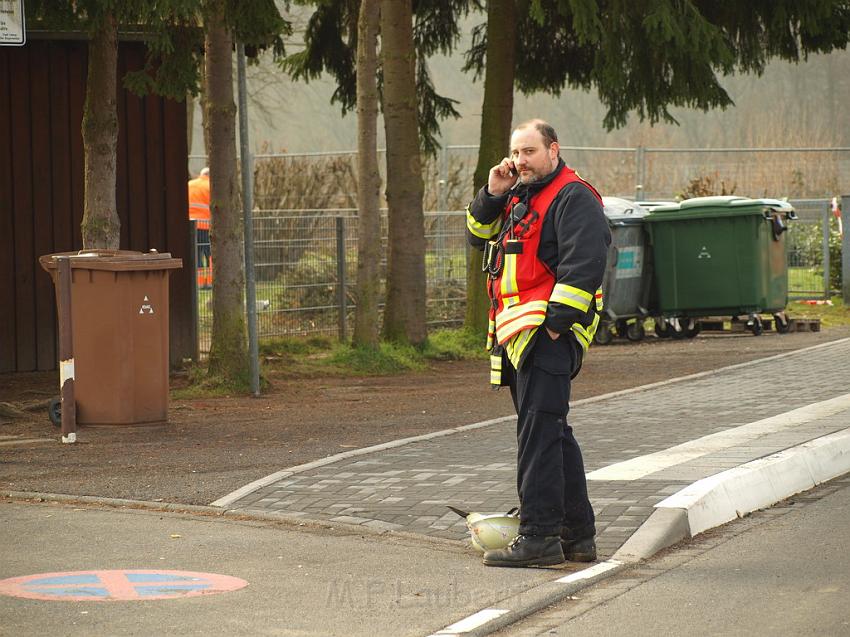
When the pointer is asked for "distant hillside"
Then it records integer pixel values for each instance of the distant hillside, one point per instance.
(796, 105)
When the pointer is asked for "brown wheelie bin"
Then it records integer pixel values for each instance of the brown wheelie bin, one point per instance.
(119, 317)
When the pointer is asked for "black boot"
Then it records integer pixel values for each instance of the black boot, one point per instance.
(578, 542)
(528, 550)
(583, 550)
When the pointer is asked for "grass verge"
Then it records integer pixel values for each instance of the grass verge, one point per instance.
(835, 315)
(324, 356)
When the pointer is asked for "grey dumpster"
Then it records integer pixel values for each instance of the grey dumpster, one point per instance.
(628, 273)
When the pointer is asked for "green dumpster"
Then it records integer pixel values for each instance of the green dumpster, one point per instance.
(721, 256)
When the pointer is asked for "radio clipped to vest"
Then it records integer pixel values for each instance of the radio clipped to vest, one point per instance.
(492, 262)
(494, 251)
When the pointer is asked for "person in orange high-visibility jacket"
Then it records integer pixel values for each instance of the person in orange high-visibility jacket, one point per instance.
(199, 211)
(545, 239)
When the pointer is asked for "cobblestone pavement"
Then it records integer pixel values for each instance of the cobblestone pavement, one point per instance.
(408, 487)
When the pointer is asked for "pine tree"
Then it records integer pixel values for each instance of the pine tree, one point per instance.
(644, 57)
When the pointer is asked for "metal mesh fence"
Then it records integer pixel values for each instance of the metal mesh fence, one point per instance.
(306, 265)
(808, 250)
(305, 227)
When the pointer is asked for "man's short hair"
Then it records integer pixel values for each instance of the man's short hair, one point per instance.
(205, 170)
(546, 131)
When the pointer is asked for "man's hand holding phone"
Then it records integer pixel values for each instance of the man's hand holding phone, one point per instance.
(502, 177)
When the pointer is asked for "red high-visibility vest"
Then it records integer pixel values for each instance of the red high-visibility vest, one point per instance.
(521, 292)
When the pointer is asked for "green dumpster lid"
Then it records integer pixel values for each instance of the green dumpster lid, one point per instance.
(719, 200)
(114, 260)
(718, 206)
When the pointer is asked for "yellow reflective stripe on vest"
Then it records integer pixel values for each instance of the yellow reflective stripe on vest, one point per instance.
(491, 334)
(508, 285)
(517, 311)
(482, 230)
(495, 370)
(572, 296)
(509, 301)
(598, 297)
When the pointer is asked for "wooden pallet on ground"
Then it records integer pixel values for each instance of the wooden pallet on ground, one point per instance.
(804, 325)
(736, 327)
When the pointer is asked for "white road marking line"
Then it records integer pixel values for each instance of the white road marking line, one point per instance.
(470, 623)
(593, 571)
(644, 465)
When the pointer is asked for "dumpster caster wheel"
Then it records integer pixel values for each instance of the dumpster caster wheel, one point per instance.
(693, 329)
(783, 325)
(635, 331)
(688, 328)
(603, 335)
(662, 328)
(755, 325)
(54, 411)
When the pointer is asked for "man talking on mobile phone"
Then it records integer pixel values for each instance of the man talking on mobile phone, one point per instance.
(545, 240)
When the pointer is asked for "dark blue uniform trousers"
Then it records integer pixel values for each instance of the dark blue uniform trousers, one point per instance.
(550, 471)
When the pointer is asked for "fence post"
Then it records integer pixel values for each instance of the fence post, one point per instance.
(247, 171)
(640, 159)
(193, 290)
(340, 276)
(826, 289)
(440, 219)
(443, 180)
(845, 256)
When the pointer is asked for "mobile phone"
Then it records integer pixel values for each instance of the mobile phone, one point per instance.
(512, 169)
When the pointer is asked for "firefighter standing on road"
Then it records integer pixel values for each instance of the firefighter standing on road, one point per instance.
(199, 211)
(545, 239)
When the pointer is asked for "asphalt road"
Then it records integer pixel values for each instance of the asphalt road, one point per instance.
(302, 581)
(784, 571)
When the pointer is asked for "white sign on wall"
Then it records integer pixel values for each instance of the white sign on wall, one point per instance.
(12, 31)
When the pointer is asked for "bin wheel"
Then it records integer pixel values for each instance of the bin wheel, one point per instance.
(755, 326)
(622, 326)
(603, 335)
(54, 411)
(693, 330)
(783, 325)
(635, 331)
(688, 328)
(662, 328)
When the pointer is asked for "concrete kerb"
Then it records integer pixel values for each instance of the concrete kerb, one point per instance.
(295, 521)
(236, 495)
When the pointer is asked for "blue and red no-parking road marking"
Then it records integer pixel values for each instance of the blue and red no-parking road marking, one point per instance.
(118, 585)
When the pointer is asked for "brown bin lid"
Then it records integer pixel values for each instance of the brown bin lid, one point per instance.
(114, 260)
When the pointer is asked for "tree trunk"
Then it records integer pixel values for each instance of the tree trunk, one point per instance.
(496, 116)
(368, 178)
(228, 351)
(404, 314)
(101, 227)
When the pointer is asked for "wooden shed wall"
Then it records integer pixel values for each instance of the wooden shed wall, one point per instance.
(42, 91)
